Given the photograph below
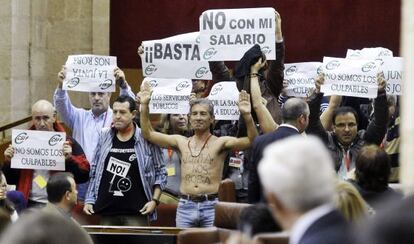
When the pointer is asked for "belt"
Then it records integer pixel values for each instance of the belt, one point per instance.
(199, 198)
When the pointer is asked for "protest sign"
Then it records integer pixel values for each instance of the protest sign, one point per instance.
(392, 67)
(225, 98)
(90, 73)
(348, 77)
(169, 96)
(38, 150)
(301, 78)
(226, 34)
(175, 57)
(368, 53)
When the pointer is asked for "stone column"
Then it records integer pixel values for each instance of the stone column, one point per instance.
(20, 66)
(100, 27)
(5, 60)
(407, 105)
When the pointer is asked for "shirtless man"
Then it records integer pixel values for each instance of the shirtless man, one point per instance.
(202, 156)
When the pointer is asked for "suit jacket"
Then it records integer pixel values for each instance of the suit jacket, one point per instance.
(254, 188)
(330, 228)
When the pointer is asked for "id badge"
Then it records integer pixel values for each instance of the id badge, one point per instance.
(235, 162)
(170, 170)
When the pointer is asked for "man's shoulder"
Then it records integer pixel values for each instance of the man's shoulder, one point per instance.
(279, 133)
(329, 228)
(50, 208)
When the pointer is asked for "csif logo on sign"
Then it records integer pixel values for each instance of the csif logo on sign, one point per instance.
(106, 84)
(291, 70)
(200, 72)
(266, 50)
(209, 53)
(150, 69)
(380, 61)
(368, 66)
(73, 82)
(216, 89)
(319, 70)
(333, 65)
(153, 83)
(55, 139)
(20, 138)
(182, 85)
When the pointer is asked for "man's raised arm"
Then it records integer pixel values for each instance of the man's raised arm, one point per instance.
(266, 122)
(244, 142)
(148, 132)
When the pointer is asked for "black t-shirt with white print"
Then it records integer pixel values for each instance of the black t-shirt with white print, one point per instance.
(120, 191)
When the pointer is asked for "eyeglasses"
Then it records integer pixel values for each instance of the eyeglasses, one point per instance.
(343, 125)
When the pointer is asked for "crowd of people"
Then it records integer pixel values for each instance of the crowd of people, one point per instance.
(315, 174)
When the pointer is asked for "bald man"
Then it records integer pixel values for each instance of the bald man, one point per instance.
(29, 181)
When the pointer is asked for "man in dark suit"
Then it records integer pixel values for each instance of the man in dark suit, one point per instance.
(298, 178)
(295, 116)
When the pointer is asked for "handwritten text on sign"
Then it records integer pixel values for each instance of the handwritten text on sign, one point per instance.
(225, 98)
(226, 34)
(38, 150)
(175, 57)
(348, 77)
(169, 96)
(90, 73)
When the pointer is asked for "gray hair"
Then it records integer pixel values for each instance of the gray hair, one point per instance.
(299, 172)
(293, 109)
(203, 101)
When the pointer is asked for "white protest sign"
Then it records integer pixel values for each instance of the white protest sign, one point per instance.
(35, 149)
(90, 73)
(348, 77)
(175, 57)
(226, 34)
(169, 96)
(392, 67)
(368, 53)
(118, 167)
(225, 98)
(301, 78)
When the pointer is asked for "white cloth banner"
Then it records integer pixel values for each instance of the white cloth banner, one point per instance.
(38, 150)
(175, 57)
(225, 98)
(226, 34)
(90, 73)
(169, 96)
(369, 53)
(348, 77)
(301, 78)
(393, 73)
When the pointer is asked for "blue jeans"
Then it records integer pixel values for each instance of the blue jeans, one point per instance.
(195, 214)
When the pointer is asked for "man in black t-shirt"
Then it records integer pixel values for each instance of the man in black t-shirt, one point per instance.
(128, 174)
